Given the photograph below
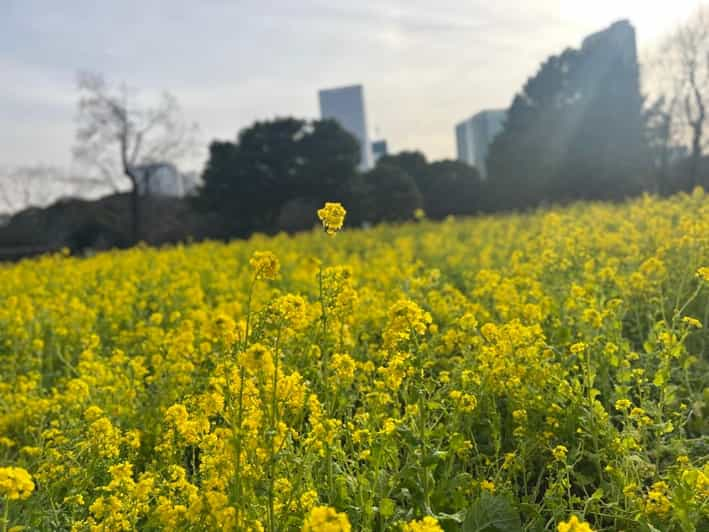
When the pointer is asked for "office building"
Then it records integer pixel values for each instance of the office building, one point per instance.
(379, 149)
(474, 136)
(346, 106)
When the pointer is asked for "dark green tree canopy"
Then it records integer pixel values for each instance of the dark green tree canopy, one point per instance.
(446, 186)
(386, 193)
(273, 162)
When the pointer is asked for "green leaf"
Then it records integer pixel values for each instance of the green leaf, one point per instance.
(491, 513)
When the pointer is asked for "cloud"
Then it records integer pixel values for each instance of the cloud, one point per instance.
(229, 62)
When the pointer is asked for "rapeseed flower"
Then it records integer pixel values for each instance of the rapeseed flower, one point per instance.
(427, 524)
(265, 265)
(15, 483)
(326, 519)
(574, 525)
(332, 216)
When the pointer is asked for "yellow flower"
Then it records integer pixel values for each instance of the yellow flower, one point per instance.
(427, 524)
(326, 519)
(344, 367)
(560, 452)
(574, 525)
(405, 317)
(308, 499)
(579, 347)
(487, 485)
(623, 404)
(332, 216)
(657, 501)
(265, 265)
(703, 273)
(257, 358)
(692, 322)
(15, 483)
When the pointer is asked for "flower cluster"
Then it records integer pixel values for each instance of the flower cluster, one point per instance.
(539, 371)
(15, 483)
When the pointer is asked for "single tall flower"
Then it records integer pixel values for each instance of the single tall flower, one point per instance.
(332, 216)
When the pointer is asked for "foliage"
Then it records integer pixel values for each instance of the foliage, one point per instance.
(385, 193)
(547, 370)
(446, 186)
(575, 131)
(273, 162)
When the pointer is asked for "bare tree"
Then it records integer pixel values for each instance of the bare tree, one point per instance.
(118, 135)
(686, 68)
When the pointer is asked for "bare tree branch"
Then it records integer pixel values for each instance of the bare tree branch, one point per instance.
(682, 72)
(117, 136)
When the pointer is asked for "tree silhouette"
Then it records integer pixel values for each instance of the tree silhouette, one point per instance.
(576, 131)
(273, 162)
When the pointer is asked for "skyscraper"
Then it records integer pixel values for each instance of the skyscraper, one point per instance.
(379, 150)
(346, 105)
(474, 136)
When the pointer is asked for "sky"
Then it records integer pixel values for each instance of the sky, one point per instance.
(424, 65)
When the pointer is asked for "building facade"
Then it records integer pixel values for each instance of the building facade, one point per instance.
(474, 136)
(346, 106)
(379, 150)
(163, 179)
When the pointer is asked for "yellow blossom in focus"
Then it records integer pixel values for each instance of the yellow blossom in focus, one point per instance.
(332, 216)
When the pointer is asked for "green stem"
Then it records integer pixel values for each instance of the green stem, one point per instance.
(237, 434)
(273, 432)
(6, 515)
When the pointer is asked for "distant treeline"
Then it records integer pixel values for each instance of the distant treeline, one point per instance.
(579, 129)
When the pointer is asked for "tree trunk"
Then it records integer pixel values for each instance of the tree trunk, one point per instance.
(135, 210)
(135, 215)
(696, 156)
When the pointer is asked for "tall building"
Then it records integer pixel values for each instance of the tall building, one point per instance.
(474, 136)
(346, 105)
(163, 179)
(379, 149)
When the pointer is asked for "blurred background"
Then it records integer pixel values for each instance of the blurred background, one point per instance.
(163, 121)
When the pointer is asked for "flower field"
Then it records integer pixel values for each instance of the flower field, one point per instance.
(547, 371)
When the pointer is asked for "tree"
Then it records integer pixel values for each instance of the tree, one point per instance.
(117, 135)
(446, 186)
(413, 163)
(272, 163)
(576, 130)
(660, 128)
(385, 193)
(686, 69)
(528, 152)
(450, 187)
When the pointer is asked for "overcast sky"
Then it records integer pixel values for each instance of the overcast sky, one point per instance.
(425, 65)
